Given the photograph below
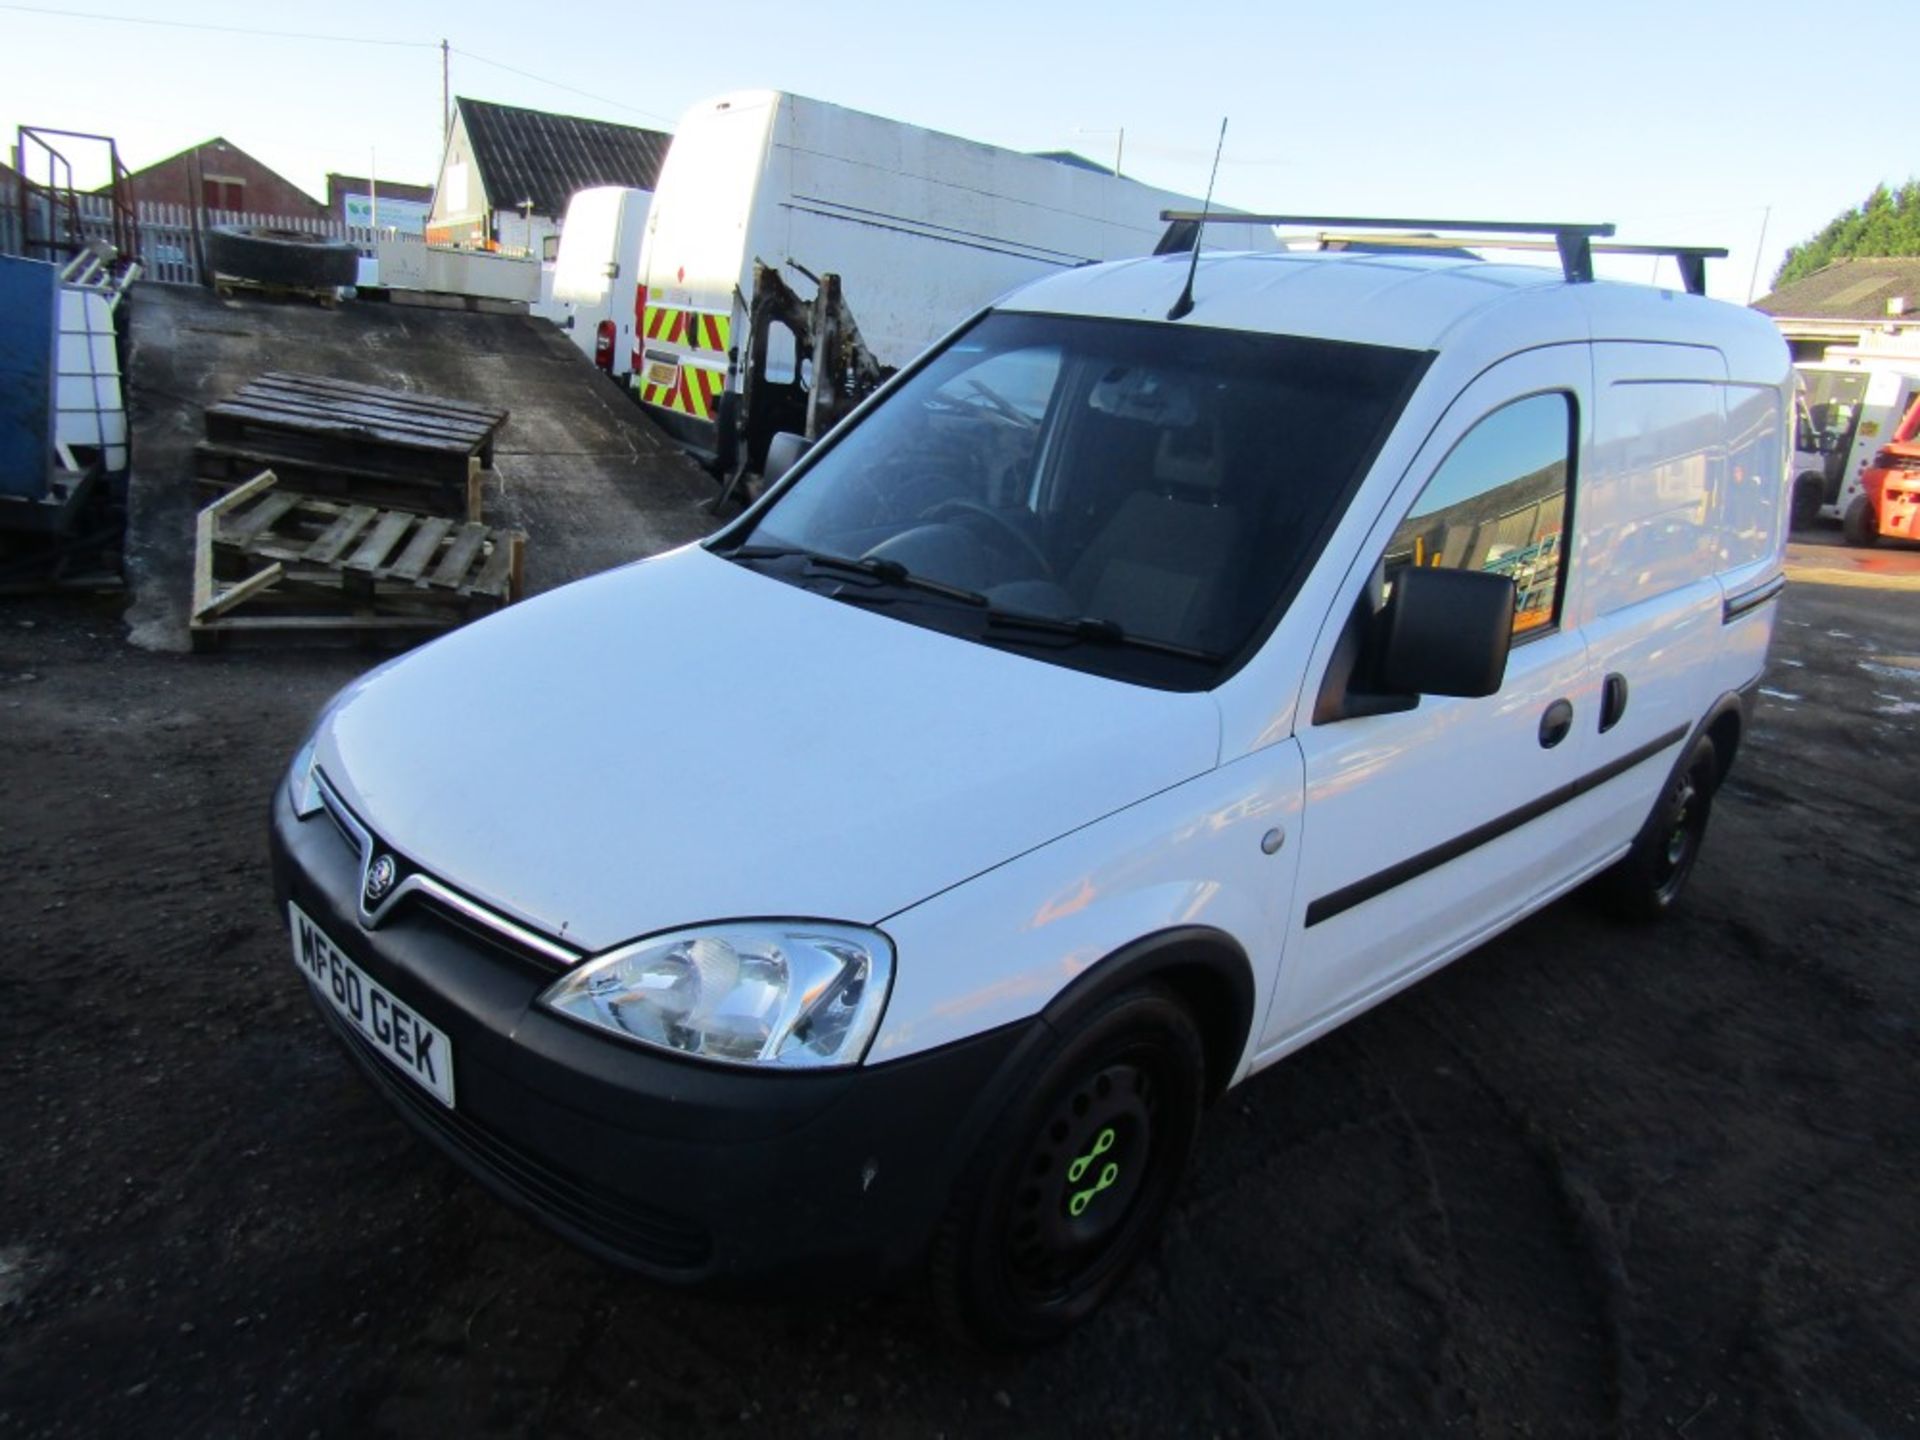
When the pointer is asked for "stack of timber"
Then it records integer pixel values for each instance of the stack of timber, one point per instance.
(332, 437)
(270, 560)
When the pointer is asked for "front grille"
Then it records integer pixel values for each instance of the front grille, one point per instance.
(439, 900)
(626, 1227)
(347, 837)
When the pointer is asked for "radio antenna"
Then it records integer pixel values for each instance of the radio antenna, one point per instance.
(1185, 302)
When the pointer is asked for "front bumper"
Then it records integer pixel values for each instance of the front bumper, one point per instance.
(690, 1172)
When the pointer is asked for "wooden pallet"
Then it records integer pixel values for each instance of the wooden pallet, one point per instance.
(227, 286)
(221, 467)
(358, 432)
(274, 560)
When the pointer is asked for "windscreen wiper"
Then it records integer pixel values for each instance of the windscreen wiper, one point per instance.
(1095, 631)
(872, 567)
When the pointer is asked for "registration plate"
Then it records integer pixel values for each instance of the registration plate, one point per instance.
(661, 372)
(413, 1047)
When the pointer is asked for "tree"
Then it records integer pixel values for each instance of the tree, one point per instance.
(1886, 223)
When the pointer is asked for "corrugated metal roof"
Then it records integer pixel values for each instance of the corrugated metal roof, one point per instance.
(1848, 290)
(532, 155)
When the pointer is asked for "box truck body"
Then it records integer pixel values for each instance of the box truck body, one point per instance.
(920, 228)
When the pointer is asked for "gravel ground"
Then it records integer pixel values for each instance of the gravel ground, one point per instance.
(1589, 1181)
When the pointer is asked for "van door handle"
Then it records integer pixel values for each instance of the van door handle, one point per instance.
(1555, 723)
(1613, 701)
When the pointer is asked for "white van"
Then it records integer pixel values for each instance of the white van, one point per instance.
(920, 227)
(596, 273)
(1108, 708)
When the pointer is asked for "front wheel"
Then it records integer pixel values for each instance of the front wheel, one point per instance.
(1860, 525)
(1074, 1179)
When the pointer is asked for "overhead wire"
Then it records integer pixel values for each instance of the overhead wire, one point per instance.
(558, 85)
(221, 29)
(271, 34)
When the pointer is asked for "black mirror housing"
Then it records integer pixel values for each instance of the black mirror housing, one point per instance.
(1445, 632)
(783, 453)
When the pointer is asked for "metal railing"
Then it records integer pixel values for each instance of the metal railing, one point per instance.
(169, 235)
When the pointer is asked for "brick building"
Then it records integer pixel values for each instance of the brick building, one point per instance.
(219, 175)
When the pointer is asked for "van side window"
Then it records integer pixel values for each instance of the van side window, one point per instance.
(1499, 502)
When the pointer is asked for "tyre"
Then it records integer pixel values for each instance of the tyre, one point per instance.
(1075, 1177)
(1648, 881)
(1860, 525)
(269, 256)
(1808, 492)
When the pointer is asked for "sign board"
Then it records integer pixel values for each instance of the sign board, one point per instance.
(409, 217)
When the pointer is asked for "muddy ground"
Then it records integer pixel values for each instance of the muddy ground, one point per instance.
(576, 467)
(1590, 1181)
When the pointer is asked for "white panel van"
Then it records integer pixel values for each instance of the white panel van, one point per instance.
(921, 228)
(1110, 706)
(596, 274)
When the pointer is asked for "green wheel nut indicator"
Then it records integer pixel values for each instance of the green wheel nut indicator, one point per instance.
(1077, 1203)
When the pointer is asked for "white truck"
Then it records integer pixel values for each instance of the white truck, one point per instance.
(597, 271)
(1849, 405)
(778, 219)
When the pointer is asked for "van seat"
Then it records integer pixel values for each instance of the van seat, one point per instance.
(1155, 569)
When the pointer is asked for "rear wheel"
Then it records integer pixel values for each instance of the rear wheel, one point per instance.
(1076, 1176)
(1649, 880)
(1860, 525)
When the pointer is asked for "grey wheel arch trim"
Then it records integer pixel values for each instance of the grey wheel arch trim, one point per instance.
(1729, 712)
(1205, 967)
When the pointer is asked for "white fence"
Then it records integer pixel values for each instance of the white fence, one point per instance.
(170, 235)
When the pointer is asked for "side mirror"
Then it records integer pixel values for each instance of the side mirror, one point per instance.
(1445, 632)
(783, 453)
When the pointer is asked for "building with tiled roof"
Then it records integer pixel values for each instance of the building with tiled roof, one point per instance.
(508, 173)
(1849, 302)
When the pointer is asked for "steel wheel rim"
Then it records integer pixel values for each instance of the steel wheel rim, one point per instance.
(1081, 1181)
(1686, 817)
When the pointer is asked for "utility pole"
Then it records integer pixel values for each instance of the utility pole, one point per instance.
(446, 100)
(1758, 250)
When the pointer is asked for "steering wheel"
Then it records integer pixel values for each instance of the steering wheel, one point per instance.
(1001, 525)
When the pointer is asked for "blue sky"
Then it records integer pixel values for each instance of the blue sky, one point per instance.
(1679, 122)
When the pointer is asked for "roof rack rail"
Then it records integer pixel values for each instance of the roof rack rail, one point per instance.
(1690, 258)
(1573, 240)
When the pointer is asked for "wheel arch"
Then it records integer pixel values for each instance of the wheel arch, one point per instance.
(1725, 723)
(1206, 968)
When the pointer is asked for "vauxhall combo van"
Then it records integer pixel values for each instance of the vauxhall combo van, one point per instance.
(1109, 707)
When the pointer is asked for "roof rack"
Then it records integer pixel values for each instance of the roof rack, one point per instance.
(1575, 242)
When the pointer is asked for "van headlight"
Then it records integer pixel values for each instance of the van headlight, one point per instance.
(303, 784)
(788, 993)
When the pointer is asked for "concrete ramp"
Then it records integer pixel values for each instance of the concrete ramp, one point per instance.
(579, 468)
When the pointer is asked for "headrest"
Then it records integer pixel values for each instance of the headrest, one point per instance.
(1189, 458)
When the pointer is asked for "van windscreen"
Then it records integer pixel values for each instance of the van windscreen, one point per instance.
(1138, 500)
